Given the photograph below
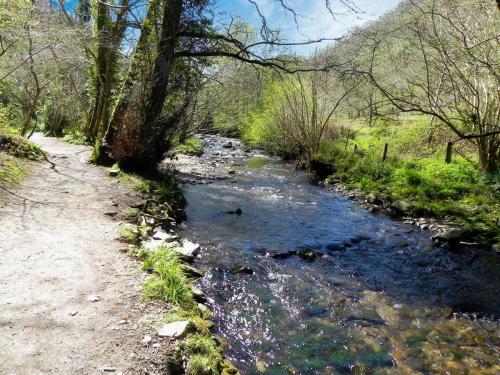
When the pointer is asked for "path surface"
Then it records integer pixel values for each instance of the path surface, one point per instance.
(57, 248)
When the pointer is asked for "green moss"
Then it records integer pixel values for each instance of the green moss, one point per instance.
(130, 235)
(192, 146)
(76, 137)
(200, 354)
(20, 147)
(12, 170)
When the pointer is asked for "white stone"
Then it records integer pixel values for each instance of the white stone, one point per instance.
(175, 329)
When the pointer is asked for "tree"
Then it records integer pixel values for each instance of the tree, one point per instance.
(445, 63)
(185, 32)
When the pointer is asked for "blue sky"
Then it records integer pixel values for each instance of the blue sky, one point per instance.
(314, 20)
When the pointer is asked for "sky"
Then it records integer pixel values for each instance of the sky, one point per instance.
(314, 20)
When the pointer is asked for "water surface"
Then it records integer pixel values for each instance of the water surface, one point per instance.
(379, 299)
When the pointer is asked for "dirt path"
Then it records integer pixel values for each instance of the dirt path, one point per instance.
(57, 249)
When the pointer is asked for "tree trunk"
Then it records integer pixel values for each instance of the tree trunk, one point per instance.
(109, 37)
(153, 132)
(31, 112)
(489, 154)
(137, 71)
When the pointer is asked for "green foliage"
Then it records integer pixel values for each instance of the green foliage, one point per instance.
(192, 146)
(168, 283)
(433, 187)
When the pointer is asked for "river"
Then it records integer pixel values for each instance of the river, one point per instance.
(379, 298)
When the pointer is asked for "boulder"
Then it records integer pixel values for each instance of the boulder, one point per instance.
(401, 206)
(453, 236)
(152, 244)
(176, 329)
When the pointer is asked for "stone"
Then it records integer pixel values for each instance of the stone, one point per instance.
(188, 250)
(152, 244)
(93, 298)
(146, 340)
(203, 308)
(228, 145)
(401, 206)
(231, 171)
(173, 244)
(176, 329)
(160, 234)
(192, 272)
(242, 270)
(198, 294)
(452, 236)
(307, 254)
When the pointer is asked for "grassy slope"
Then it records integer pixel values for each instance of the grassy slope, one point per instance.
(415, 172)
(14, 154)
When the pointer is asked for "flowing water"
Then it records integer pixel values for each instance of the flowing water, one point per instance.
(379, 298)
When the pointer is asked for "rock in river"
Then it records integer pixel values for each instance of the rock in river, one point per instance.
(242, 270)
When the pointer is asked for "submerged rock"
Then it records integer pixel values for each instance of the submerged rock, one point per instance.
(242, 270)
(307, 254)
(192, 272)
(281, 255)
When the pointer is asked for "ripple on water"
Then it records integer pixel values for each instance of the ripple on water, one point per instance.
(381, 300)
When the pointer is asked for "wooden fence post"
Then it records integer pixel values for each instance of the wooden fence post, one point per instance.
(386, 146)
(448, 152)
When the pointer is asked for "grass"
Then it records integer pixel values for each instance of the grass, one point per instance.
(198, 353)
(192, 146)
(168, 282)
(417, 175)
(201, 355)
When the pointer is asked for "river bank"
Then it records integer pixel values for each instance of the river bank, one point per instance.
(368, 283)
